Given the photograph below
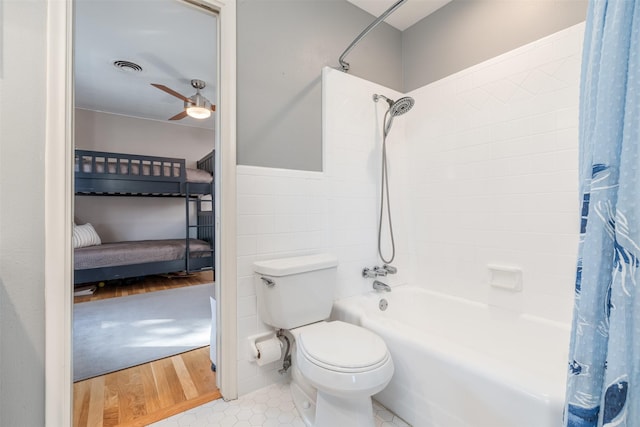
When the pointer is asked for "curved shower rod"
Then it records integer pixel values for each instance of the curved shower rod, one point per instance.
(343, 63)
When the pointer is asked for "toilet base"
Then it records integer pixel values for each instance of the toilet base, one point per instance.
(305, 405)
(332, 411)
(338, 411)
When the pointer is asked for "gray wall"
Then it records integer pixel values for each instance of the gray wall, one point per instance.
(466, 32)
(22, 80)
(282, 47)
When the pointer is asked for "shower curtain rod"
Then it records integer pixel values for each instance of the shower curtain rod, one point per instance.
(343, 63)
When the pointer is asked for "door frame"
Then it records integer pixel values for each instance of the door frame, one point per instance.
(59, 196)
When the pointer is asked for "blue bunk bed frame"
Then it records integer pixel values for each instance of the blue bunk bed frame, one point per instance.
(134, 183)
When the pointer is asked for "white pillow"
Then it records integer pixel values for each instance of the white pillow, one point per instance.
(85, 235)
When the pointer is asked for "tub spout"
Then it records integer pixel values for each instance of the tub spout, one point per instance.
(379, 286)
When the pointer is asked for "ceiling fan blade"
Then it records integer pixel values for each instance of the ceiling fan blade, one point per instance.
(179, 116)
(171, 92)
(213, 108)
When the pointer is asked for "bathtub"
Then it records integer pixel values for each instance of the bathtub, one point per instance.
(460, 363)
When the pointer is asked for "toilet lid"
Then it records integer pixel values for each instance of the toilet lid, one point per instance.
(341, 346)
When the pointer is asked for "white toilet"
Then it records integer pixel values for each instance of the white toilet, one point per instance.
(337, 366)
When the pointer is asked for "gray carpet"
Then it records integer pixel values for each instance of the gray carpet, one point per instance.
(117, 333)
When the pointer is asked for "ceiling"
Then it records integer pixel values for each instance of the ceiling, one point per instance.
(172, 41)
(404, 17)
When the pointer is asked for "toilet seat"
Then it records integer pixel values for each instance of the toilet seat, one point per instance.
(343, 347)
(342, 359)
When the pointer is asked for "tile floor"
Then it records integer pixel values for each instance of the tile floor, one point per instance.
(268, 407)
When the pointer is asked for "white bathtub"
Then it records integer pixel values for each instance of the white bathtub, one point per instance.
(459, 363)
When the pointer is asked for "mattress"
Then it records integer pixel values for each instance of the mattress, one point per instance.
(138, 252)
(148, 170)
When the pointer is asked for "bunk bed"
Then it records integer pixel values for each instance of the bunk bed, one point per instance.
(120, 175)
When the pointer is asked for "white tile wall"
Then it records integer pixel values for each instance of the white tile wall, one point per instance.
(493, 164)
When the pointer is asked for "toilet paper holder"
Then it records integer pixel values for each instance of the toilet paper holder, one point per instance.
(281, 337)
(253, 340)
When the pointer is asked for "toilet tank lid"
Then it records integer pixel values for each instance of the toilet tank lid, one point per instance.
(295, 265)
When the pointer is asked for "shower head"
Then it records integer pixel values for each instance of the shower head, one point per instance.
(399, 107)
(396, 108)
(402, 105)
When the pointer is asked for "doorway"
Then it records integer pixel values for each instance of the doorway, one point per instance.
(145, 101)
(59, 196)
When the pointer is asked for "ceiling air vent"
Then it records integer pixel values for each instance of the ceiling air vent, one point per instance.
(127, 66)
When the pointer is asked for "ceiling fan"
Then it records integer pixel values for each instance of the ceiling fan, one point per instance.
(196, 106)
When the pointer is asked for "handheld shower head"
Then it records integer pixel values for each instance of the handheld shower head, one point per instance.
(402, 105)
(396, 108)
(399, 107)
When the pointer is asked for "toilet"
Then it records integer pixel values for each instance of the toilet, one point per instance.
(336, 366)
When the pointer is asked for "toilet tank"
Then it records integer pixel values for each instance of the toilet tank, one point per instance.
(295, 291)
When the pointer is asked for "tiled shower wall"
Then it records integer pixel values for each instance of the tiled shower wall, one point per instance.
(483, 170)
(493, 177)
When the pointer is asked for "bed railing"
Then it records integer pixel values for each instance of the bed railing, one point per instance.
(105, 173)
(207, 163)
(98, 164)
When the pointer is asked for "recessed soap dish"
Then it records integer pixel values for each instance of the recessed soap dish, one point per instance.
(505, 277)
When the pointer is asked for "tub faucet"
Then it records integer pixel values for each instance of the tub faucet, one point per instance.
(370, 273)
(380, 271)
(379, 286)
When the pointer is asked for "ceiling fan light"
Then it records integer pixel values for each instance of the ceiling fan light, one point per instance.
(198, 112)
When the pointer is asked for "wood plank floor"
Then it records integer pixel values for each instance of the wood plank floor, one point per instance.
(147, 284)
(150, 392)
(146, 393)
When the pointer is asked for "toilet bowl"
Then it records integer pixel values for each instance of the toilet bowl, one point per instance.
(346, 364)
(337, 366)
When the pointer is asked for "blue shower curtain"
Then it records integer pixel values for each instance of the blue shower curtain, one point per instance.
(603, 387)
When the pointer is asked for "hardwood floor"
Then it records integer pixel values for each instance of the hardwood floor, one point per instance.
(150, 392)
(146, 393)
(146, 284)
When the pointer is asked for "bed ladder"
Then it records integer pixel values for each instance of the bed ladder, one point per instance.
(205, 229)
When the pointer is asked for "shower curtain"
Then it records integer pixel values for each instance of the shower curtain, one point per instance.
(603, 387)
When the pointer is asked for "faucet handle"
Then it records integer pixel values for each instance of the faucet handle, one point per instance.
(390, 269)
(368, 273)
(380, 271)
